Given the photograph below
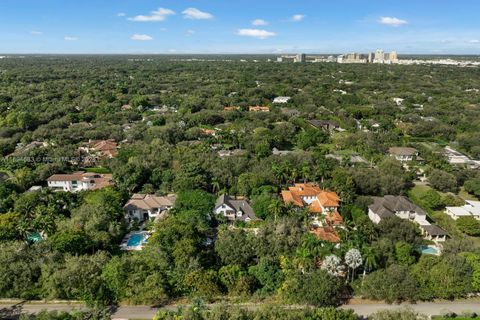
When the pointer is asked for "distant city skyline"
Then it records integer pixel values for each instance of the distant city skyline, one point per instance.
(244, 26)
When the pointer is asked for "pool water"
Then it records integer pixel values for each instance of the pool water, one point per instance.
(429, 250)
(136, 239)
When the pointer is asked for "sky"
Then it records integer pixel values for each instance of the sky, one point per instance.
(239, 26)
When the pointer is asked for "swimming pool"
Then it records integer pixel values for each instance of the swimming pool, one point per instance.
(430, 250)
(136, 239)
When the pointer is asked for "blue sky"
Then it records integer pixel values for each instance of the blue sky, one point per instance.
(239, 26)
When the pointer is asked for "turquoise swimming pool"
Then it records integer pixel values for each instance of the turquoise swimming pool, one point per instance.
(429, 250)
(136, 239)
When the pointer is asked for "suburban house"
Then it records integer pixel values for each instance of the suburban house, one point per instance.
(234, 209)
(258, 109)
(353, 158)
(404, 154)
(96, 150)
(144, 207)
(322, 204)
(22, 148)
(456, 158)
(79, 181)
(325, 125)
(208, 132)
(281, 153)
(403, 208)
(281, 100)
(232, 108)
(470, 209)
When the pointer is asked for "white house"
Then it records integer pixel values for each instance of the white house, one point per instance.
(398, 101)
(470, 209)
(403, 208)
(281, 100)
(142, 207)
(234, 209)
(79, 181)
(403, 154)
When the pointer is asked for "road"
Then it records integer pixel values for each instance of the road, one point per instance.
(146, 312)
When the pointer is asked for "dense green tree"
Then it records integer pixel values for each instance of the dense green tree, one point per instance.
(443, 181)
(317, 288)
(393, 284)
(469, 226)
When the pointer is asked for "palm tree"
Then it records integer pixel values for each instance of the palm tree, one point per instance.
(277, 172)
(305, 173)
(353, 259)
(275, 208)
(331, 264)
(303, 258)
(215, 185)
(294, 174)
(371, 259)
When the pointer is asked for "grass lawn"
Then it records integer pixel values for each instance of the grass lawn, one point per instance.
(99, 170)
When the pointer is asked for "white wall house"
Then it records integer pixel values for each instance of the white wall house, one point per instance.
(234, 209)
(143, 207)
(403, 208)
(78, 181)
(470, 209)
(281, 100)
(403, 154)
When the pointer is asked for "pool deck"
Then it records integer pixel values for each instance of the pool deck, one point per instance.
(124, 245)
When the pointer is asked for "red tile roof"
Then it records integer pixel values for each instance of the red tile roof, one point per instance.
(326, 233)
(324, 198)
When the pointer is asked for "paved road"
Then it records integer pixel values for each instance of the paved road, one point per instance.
(146, 312)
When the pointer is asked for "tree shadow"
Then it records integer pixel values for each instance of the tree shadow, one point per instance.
(12, 312)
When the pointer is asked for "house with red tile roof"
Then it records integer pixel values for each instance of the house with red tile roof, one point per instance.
(258, 109)
(96, 150)
(322, 204)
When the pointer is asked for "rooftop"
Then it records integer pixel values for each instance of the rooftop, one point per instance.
(403, 151)
(149, 201)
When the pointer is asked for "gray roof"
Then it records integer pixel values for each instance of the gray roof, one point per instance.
(387, 206)
(323, 124)
(403, 151)
(239, 205)
(434, 230)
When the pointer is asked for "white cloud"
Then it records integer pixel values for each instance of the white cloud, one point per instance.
(158, 15)
(474, 41)
(36, 33)
(141, 37)
(259, 22)
(298, 17)
(195, 14)
(121, 14)
(190, 32)
(69, 38)
(255, 33)
(392, 21)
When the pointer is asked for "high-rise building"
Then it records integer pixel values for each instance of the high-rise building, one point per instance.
(301, 57)
(393, 57)
(379, 56)
(370, 57)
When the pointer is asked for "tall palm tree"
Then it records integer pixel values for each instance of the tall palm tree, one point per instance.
(371, 259)
(305, 173)
(215, 185)
(275, 208)
(303, 259)
(294, 174)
